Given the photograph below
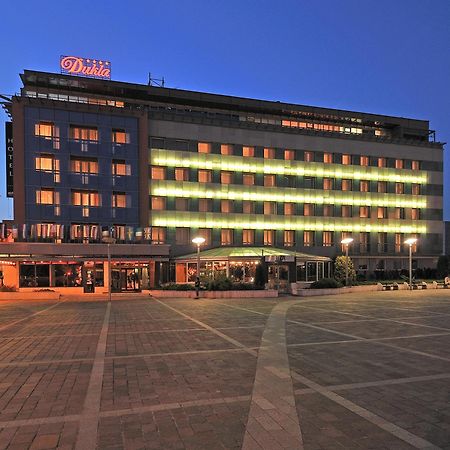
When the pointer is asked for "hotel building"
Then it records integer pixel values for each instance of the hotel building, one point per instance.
(161, 166)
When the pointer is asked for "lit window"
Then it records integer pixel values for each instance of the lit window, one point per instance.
(226, 149)
(120, 168)
(381, 162)
(308, 238)
(399, 163)
(205, 233)
(268, 237)
(364, 161)
(204, 205)
(415, 165)
(346, 185)
(381, 212)
(158, 173)
(181, 204)
(327, 240)
(158, 203)
(308, 209)
(248, 207)
(44, 129)
(84, 166)
(364, 242)
(44, 163)
(248, 179)
(181, 174)
(226, 237)
(119, 200)
(399, 213)
(415, 189)
(382, 187)
(248, 151)
(269, 153)
(399, 188)
(328, 210)
(398, 242)
(226, 206)
(226, 177)
(182, 236)
(204, 147)
(158, 235)
(327, 184)
(270, 208)
(86, 198)
(328, 158)
(83, 133)
(346, 211)
(415, 214)
(346, 160)
(120, 137)
(289, 155)
(289, 238)
(364, 212)
(364, 186)
(289, 209)
(269, 180)
(45, 197)
(308, 156)
(248, 237)
(382, 242)
(204, 176)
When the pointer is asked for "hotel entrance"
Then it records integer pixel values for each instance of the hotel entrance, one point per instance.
(129, 278)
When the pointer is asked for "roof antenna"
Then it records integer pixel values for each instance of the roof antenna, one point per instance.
(158, 82)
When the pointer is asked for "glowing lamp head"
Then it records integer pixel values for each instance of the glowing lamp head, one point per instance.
(411, 241)
(198, 240)
(347, 241)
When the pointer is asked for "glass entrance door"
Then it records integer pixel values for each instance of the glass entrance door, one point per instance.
(130, 279)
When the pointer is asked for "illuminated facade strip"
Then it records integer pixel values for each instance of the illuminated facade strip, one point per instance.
(262, 222)
(166, 188)
(172, 158)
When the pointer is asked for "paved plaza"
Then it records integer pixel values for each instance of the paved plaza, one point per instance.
(361, 371)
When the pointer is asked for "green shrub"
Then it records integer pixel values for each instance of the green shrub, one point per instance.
(6, 288)
(178, 287)
(260, 275)
(325, 283)
(220, 283)
(245, 287)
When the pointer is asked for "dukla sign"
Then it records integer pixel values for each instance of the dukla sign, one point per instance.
(85, 67)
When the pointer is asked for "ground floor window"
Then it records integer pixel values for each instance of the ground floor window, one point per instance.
(34, 275)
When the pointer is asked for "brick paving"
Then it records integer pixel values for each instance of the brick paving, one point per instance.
(368, 371)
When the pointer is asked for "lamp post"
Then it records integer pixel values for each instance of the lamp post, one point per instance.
(410, 242)
(346, 242)
(198, 241)
(109, 241)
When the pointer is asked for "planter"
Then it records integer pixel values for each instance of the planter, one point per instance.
(268, 293)
(29, 295)
(337, 291)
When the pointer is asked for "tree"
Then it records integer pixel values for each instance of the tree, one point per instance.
(260, 275)
(339, 269)
(443, 266)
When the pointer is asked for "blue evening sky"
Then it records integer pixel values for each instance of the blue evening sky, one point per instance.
(381, 56)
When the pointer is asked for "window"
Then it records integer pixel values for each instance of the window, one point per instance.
(270, 208)
(84, 166)
(364, 186)
(398, 242)
(248, 151)
(399, 163)
(226, 149)
(205, 233)
(204, 176)
(289, 155)
(204, 205)
(415, 189)
(327, 240)
(327, 184)
(181, 174)
(382, 187)
(415, 165)
(120, 168)
(45, 129)
(346, 160)
(46, 197)
(381, 162)
(346, 185)
(289, 238)
(346, 211)
(308, 156)
(119, 200)
(328, 158)
(364, 212)
(159, 203)
(399, 188)
(289, 209)
(364, 242)
(248, 179)
(308, 209)
(248, 237)
(382, 242)
(226, 237)
(226, 177)
(86, 198)
(226, 206)
(363, 160)
(269, 237)
(309, 182)
(204, 147)
(158, 173)
(415, 214)
(381, 212)
(308, 238)
(248, 207)
(399, 213)
(181, 204)
(83, 133)
(269, 180)
(158, 235)
(269, 153)
(182, 236)
(48, 163)
(120, 137)
(328, 210)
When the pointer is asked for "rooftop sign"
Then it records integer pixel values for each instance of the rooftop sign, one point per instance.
(85, 67)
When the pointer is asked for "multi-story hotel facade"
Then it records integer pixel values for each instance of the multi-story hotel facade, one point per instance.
(161, 166)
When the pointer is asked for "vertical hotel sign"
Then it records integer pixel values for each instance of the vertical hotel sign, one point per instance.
(85, 67)
(9, 159)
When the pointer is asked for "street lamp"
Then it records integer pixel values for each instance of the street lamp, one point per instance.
(410, 242)
(198, 241)
(346, 242)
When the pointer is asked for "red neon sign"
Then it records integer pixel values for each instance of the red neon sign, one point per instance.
(85, 67)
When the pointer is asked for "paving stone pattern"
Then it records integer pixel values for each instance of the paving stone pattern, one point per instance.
(361, 371)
